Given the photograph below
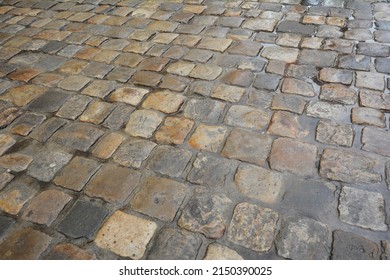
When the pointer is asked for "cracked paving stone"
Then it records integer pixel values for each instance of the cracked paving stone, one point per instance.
(293, 156)
(173, 244)
(164, 101)
(74, 107)
(253, 227)
(370, 80)
(338, 93)
(26, 123)
(49, 102)
(286, 124)
(376, 141)
(67, 251)
(217, 251)
(129, 95)
(295, 86)
(255, 150)
(159, 198)
(96, 112)
(204, 110)
(332, 75)
(334, 134)
(267, 81)
(349, 246)
(112, 183)
(317, 58)
(260, 24)
(107, 145)
(228, 93)
(259, 183)
(17, 193)
(5, 224)
(303, 238)
(348, 166)
(133, 152)
(126, 235)
(82, 220)
(362, 208)
(24, 244)
(287, 102)
(174, 130)
(206, 72)
(242, 78)
(47, 163)
(210, 171)
(99, 88)
(22, 95)
(329, 111)
(169, 161)
(44, 208)
(77, 173)
(208, 138)
(143, 123)
(47, 129)
(78, 136)
(74, 83)
(288, 55)
(368, 116)
(247, 117)
(206, 213)
(6, 142)
(15, 162)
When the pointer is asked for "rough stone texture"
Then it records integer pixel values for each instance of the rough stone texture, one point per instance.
(44, 208)
(288, 55)
(143, 123)
(368, 116)
(15, 162)
(349, 246)
(329, 111)
(385, 250)
(376, 140)
(210, 171)
(164, 101)
(247, 117)
(255, 150)
(333, 134)
(159, 198)
(133, 152)
(6, 142)
(5, 178)
(361, 208)
(77, 173)
(24, 244)
(82, 220)
(208, 138)
(253, 227)
(332, 75)
(228, 93)
(338, 93)
(107, 145)
(348, 166)
(295, 86)
(317, 58)
(174, 130)
(293, 156)
(5, 224)
(66, 251)
(173, 244)
(370, 80)
(304, 239)
(217, 251)
(120, 235)
(286, 124)
(289, 103)
(112, 183)
(206, 213)
(374, 99)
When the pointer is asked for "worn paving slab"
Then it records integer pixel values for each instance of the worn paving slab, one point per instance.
(194, 129)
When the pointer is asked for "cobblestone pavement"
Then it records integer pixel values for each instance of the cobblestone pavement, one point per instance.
(194, 129)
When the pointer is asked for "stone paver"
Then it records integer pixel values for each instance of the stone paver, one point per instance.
(194, 129)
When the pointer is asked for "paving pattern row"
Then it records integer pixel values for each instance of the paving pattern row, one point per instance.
(194, 129)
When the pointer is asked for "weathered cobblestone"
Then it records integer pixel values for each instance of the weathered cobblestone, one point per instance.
(353, 247)
(216, 251)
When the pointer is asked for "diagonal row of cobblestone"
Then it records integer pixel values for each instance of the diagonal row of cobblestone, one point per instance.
(194, 129)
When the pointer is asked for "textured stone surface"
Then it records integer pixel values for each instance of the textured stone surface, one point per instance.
(348, 167)
(362, 208)
(66, 251)
(25, 244)
(172, 244)
(253, 227)
(349, 246)
(247, 117)
(286, 124)
(208, 138)
(206, 213)
(133, 152)
(159, 198)
(143, 123)
(329, 133)
(126, 235)
(303, 238)
(376, 140)
(217, 251)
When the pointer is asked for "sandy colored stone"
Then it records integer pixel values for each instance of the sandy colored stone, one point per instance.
(15, 162)
(164, 101)
(107, 145)
(181, 68)
(6, 142)
(206, 72)
(22, 95)
(174, 130)
(67, 251)
(228, 93)
(208, 138)
(288, 55)
(143, 123)
(96, 112)
(248, 117)
(126, 235)
(129, 95)
(286, 124)
(295, 86)
(217, 251)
